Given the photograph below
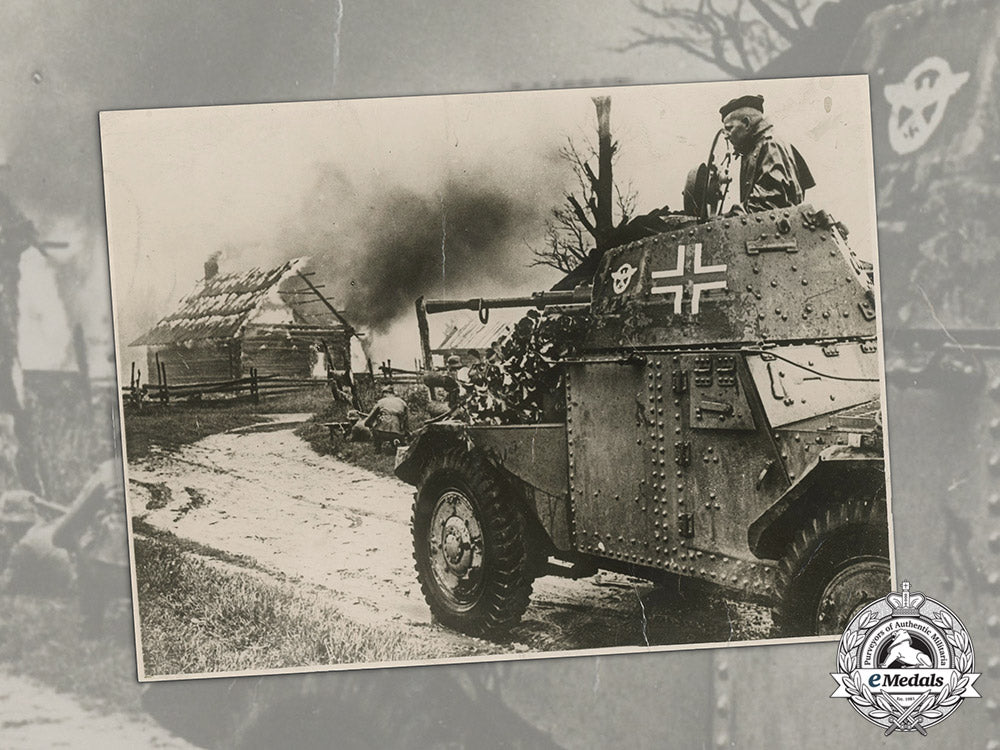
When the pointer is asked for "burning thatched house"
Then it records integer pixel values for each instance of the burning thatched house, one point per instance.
(272, 320)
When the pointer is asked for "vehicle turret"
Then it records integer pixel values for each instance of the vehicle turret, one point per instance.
(779, 276)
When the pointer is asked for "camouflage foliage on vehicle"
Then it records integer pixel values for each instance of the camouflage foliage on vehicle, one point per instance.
(521, 381)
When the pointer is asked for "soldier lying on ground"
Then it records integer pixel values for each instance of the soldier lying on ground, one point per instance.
(29, 562)
(93, 531)
(17, 515)
(359, 430)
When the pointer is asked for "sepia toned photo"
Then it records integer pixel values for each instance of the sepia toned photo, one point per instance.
(501, 375)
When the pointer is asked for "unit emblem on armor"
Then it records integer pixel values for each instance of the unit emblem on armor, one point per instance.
(919, 101)
(621, 278)
(905, 662)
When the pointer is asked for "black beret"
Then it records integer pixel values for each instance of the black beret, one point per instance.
(754, 101)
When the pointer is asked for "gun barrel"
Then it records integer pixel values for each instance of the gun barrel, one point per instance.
(570, 298)
(538, 299)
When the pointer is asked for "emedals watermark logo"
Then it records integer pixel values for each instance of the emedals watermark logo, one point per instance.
(905, 662)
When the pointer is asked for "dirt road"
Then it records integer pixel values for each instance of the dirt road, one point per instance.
(34, 716)
(262, 492)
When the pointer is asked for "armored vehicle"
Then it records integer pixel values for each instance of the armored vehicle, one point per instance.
(722, 422)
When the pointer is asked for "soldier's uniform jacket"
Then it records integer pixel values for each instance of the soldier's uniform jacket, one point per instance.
(389, 415)
(773, 174)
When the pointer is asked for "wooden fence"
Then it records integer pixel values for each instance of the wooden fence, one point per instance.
(253, 386)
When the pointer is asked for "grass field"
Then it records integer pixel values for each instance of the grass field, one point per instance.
(359, 454)
(172, 425)
(202, 615)
(339, 446)
(41, 638)
(204, 610)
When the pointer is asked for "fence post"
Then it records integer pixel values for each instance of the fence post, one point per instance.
(164, 389)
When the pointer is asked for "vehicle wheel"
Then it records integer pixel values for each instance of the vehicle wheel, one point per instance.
(469, 545)
(837, 563)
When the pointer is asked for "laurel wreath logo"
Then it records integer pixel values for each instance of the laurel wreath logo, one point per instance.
(928, 706)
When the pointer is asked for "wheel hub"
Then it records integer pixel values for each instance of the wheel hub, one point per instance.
(455, 539)
(848, 591)
(457, 543)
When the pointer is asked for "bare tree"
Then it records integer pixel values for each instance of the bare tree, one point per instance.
(585, 222)
(737, 36)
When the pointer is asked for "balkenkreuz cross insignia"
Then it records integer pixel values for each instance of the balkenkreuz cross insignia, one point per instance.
(694, 276)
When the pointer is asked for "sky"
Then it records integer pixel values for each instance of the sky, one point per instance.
(391, 47)
(262, 183)
(56, 78)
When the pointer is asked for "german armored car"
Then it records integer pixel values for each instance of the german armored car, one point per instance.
(722, 422)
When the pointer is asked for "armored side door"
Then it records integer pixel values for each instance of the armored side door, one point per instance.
(606, 423)
(726, 469)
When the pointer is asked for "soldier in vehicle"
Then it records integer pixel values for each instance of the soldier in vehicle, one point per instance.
(388, 421)
(451, 382)
(773, 174)
(458, 373)
(477, 370)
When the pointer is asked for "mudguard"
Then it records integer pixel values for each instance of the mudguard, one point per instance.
(534, 456)
(845, 468)
(437, 436)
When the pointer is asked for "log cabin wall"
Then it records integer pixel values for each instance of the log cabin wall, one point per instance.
(293, 351)
(195, 362)
(271, 352)
(340, 350)
(275, 354)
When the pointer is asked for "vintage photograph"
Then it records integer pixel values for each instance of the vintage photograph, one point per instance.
(67, 647)
(498, 375)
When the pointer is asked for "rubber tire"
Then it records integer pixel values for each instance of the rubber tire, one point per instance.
(505, 587)
(848, 530)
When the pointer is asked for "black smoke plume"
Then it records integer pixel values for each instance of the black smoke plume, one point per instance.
(375, 251)
(436, 245)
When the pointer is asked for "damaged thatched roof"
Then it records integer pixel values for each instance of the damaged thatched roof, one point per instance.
(462, 330)
(221, 306)
(471, 334)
